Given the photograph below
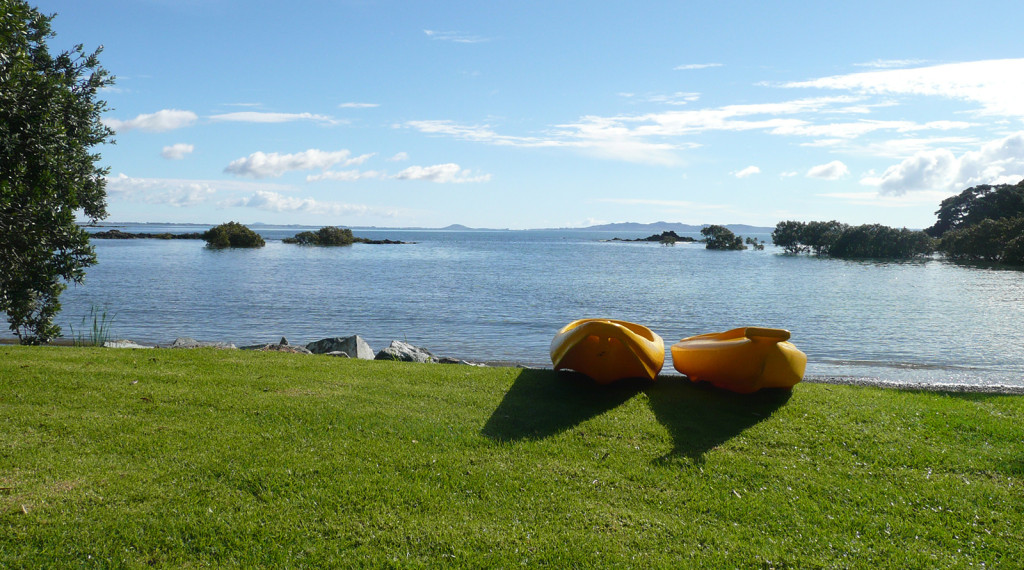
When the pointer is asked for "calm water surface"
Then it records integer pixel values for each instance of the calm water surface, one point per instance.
(502, 295)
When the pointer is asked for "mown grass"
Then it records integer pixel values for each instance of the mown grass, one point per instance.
(121, 458)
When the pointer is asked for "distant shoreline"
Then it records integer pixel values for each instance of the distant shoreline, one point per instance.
(655, 227)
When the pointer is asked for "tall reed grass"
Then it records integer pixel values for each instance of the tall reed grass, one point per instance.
(95, 328)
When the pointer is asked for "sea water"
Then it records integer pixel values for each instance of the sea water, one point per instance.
(500, 296)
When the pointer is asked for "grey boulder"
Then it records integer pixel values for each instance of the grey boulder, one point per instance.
(405, 352)
(186, 342)
(123, 344)
(354, 346)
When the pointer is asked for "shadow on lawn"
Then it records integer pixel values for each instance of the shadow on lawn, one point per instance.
(700, 417)
(542, 403)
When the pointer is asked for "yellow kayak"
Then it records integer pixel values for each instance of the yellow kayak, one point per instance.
(742, 360)
(608, 350)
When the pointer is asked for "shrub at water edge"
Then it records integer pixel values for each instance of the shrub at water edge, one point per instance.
(836, 239)
(232, 234)
(721, 237)
(328, 235)
(978, 203)
(983, 223)
(999, 241)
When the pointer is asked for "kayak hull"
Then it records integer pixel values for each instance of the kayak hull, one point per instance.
(742, 360)
(608, 350)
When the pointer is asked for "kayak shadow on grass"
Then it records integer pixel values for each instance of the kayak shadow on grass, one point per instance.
(700, 417)
(543, 403)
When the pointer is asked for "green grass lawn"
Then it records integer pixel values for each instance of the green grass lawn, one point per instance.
(164, 457)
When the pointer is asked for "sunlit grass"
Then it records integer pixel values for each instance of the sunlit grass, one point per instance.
(204, 457)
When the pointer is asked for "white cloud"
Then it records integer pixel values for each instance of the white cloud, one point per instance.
(177, 192)
(177, 151)
(274, 202)
(690, 66)
(996, 85)
(456, 37)
(345, 175)
(997, 162)
(831, 171)
(917, 199)
(163, 120)
(789, 174)
(441, 173)
(358, 105)
(264, 165)
(677, 98)
(748, 171)
(399, 157)
(479, 133)
(890, 63)
(858, 128)
(264, 117)
(657, 138)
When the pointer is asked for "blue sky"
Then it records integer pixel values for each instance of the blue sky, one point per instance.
(524, 114)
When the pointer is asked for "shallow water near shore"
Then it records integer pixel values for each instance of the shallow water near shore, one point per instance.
(500, 296)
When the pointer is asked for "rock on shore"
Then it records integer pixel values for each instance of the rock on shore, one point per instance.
(405, 352)
(352, 346)
(187, 342)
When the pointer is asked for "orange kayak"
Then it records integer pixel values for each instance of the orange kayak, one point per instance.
(608, 350)
(742, 360)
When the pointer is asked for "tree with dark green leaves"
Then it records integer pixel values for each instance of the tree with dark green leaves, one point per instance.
(328, 235)
(983, 223)
(821, 236)
(995, 241)
(721, 237)
(875, 241)
(232, 234)
(49, 127)
(788, 234)
(837, 239)
(978, 203)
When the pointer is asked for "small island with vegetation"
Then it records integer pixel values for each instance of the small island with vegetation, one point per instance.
(722, 238)
(232, 234)
(665, 238)
(333, 236)
(118, 234)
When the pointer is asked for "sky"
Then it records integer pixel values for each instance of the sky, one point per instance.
(544, 114)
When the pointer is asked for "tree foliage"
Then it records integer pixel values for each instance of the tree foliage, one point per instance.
(232, 234)
(801, 237)
(976, 204)
(875, 241)
(836, 239)
(787, 235)
(49, 125)
(328, 235)
(998, 241)
(721, 237)
(983, 223)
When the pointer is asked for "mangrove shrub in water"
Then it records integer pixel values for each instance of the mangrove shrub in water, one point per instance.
(836, 239)
(328, 235)
(232, 234)
(721, 237)
(983, 223)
